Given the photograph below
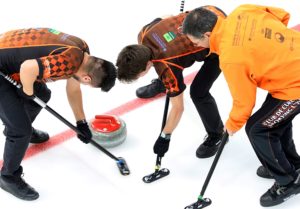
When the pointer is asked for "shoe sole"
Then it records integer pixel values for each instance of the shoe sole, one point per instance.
(38, 142)
(269, 176)
(150, 96)
(205, 156)
(272, 177)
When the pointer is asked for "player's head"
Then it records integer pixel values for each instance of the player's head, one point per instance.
(133, 62)
(198, 25)
(97, 73)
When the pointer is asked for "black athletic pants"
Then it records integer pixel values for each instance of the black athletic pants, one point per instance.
(270, 133)
(202, 99)
(17, 115)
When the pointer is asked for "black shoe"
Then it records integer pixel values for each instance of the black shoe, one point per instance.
(16, 186)
(154, 88)
(210, 146)
(278, 194)
(263, 172)
(38, 136)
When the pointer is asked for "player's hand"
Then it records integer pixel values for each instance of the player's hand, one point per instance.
(86, 134)
(161, 145)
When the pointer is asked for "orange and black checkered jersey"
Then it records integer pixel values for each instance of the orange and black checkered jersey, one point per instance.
(172, 51)
(58, 54)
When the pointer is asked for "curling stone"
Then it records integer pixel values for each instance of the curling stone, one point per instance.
(108, 130)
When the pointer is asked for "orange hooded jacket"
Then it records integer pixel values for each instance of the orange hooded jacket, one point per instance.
(256, 49)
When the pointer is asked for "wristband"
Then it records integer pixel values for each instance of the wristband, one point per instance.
(83, 121)
(165, 136)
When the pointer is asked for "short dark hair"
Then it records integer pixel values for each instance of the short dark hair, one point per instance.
(198, 22)
(103, 73)
(131, 61)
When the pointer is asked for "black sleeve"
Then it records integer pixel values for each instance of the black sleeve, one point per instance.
(41, 69)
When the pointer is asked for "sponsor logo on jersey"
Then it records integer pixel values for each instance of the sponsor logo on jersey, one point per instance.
(56, 32)
(64, 37)
(169, 36)
(159, 41)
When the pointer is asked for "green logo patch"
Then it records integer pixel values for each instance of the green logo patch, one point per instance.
(169, 36)
(56, 32)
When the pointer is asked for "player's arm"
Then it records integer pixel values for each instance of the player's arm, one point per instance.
(75, 101)
(75, 98)
(29, 72)
(175, 113)
(161, 145)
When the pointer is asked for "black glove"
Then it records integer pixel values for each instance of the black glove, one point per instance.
(83, 127)
(161, 145)
(22, 94)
